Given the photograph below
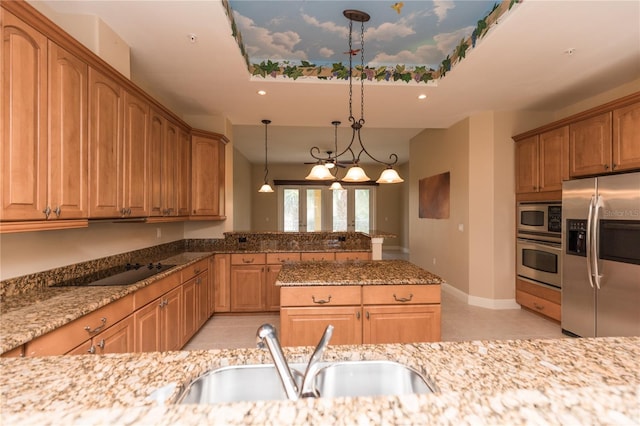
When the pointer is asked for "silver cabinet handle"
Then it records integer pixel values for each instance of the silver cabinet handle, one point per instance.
(367, 314)
(358, 315)
(403, 299)
(57, 211)
(101, 344)
(47, 212)
(321, 301)
(97, 329)
(92, 350)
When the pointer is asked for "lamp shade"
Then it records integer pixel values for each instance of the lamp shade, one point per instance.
(356, 174)
(320, 172)
(389, 176)
(335, 186)
(265, 188)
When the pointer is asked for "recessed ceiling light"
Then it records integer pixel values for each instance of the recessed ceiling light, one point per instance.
(262, 92)
(422, 96)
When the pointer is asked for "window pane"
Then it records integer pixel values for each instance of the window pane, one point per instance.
(291, 210)
(339, 210)
(314, 210)
(362, 210)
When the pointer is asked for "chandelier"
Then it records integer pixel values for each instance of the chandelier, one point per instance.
(355, 172)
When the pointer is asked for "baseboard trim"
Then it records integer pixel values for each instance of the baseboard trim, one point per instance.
(482, 302)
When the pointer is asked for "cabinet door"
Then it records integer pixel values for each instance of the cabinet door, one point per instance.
(105, 146)
(68, 156)
(183, 173)
(626, 138)
(207, 177)
(273, 291)
(136, 156)
(401, 324)
(169, 167)
(527, 165)
(24, 120)
(202, 284)
(305, 326)
(222, 282)
(590, 146)
(118, 339)
(171, 335)
(554, 156)
(189, 309)
(148, 327)
(247, 288)
(156, 158)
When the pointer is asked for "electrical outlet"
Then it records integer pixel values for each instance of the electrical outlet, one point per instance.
(242, 239)
(342, 239)
(158, 233)
(434, 260)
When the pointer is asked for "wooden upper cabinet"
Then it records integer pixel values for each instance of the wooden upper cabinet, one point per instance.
(183, 173)
(105, 146)
(170, 163)
(626, 137)
(590, 146)
(135, 156)
(541, 161)
(156, 157)
(207, 175)
(527, 165)
(24, 120)
(553, 161)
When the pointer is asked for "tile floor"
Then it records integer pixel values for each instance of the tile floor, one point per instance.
(460, 322)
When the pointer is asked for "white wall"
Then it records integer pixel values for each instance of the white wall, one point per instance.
(242, 192)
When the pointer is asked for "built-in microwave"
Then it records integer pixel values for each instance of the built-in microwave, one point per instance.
(540, 220)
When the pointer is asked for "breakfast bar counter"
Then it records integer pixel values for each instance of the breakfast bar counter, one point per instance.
(562, 381)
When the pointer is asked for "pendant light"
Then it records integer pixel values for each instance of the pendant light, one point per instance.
(335, 186)
(265, 186)
(355, 172)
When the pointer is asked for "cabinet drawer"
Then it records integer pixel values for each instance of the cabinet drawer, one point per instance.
(400, 294)
(353, 255)
(195, 269)
(540, 291)
(317, 256)
(274, 258)
(535, 303)
(67, 337)
(155, 290)
(326, 295)
(248, 258)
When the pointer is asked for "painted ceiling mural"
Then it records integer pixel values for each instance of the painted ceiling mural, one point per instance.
(403, 41)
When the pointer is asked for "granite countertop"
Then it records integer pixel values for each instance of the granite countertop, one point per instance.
(359, 272)
(562, 381)
(30, 315)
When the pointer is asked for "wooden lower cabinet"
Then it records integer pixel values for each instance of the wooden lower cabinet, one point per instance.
(247, 288)
(305, 326)
(369, 314)
(542, 300)
(401, 324)
(117, 339)
(157, 325)
(272, 296)
(222, 282)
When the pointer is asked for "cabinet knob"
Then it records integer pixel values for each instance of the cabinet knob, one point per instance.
(614, 166)
(358, 315)
(367, 314)
(57, 211)
(47, 212)
(606, 166)
(101, 344)
(92, 350)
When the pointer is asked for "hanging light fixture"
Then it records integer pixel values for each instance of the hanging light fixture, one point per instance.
(335, 185)
(355, 172)
(265, 186)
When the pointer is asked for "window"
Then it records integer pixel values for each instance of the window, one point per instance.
(313, 209)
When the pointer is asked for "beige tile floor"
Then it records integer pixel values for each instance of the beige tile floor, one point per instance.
(460, 322)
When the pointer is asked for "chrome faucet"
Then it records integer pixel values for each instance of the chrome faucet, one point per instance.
(266, 336)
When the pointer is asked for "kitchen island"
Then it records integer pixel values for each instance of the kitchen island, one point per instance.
(376, 301)
(563, 381)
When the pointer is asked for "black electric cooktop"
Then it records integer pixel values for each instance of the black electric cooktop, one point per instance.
(120, 275)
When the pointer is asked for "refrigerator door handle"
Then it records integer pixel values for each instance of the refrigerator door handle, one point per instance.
(590, 241)
(599, 204)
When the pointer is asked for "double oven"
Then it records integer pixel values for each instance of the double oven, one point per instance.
(538, 244)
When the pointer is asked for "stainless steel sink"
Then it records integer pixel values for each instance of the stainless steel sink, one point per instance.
(238, 383)
(369, 378)
(262, 382)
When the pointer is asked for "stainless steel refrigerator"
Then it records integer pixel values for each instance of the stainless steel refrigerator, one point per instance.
(601, 256)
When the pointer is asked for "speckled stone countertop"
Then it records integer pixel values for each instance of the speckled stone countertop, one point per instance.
(359, 272)
(26, 316)
(541, 382)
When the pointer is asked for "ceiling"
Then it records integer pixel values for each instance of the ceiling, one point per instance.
(521, 63)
